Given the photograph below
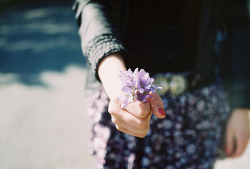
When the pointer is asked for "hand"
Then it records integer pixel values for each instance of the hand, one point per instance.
(237, 133)
(135, 118)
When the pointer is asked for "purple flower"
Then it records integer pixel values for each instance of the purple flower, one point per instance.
(136, 86)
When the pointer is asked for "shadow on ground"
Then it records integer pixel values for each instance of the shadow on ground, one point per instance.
(38, 36)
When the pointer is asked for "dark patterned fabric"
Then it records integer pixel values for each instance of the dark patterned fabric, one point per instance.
(189, 137)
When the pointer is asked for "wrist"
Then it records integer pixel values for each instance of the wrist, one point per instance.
(108, 71)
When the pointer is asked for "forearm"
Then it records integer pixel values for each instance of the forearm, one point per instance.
(108, 71)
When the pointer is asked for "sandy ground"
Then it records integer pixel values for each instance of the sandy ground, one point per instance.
(42, 75)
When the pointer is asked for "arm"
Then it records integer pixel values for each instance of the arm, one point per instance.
(100, 31)
(135, 118)
(238, 82)
(101, 28)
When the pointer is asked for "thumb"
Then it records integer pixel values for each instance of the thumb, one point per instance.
(156, 105)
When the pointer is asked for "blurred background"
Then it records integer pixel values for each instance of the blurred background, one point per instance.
(42, 76)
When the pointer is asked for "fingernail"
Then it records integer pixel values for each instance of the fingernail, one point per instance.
(161, 111)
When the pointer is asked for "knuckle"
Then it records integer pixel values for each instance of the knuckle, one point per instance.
(118, 127)
(142, 135)
(145, 107)
(142, 114)
(111, 110)
(114, 120)
(241, 152)
(142, 123)
(238, 153)
(142, 131)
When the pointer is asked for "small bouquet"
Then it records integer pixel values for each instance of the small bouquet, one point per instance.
(136, 85)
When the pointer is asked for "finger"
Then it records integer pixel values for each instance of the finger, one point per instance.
(241, 143)
(156, 105)
(116, 111)
(132, 120)
(238, 148)
(124, 130)
(129, 127)
(229, 142)
(139, 109)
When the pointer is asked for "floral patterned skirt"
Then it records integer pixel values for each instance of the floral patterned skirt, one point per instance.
(190, 137)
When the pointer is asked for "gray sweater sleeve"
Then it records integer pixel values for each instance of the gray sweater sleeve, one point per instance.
(101, 28)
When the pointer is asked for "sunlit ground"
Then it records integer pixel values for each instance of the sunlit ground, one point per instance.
(42, 76)
(44, 127)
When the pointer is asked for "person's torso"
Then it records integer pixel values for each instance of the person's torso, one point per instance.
(162, 35)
